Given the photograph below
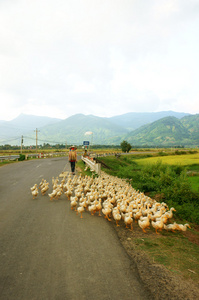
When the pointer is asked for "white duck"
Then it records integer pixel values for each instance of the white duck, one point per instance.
(128, 220)
(80, 210)
(35, 193)
(145, 223)
(182, 227)
(158, 225)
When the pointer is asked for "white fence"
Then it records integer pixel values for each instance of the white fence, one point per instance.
(94, 167)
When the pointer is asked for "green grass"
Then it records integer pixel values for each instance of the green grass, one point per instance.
(194, 181)
(3, 163)
(190, 161)
(174, 251)
(183, 160)
(81, 166)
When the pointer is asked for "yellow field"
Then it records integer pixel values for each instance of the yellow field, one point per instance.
(184, 160)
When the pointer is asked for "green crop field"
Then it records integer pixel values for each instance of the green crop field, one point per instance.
(184, 160)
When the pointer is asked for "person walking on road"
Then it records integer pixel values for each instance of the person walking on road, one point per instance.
(72, 158)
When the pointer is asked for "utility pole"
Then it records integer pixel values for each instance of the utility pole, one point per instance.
(21, 142)
(36, 138)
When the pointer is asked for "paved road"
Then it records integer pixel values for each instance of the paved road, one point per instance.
(48, 252)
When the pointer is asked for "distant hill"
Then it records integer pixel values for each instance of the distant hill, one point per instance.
(162, 129)
(191, 123)
(11, 131)
(72, 130)
(134, 120)
(32, 122)
(167, 131)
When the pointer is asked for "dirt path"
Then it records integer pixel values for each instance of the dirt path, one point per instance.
(48, 252)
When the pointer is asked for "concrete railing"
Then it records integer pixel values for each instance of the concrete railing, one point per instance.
(9, 157)
(32, 155)
(94, 167)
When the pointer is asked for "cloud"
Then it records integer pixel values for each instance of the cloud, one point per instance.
(101, 57)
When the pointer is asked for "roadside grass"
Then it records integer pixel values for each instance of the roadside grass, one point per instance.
(3, 163)
(174, 251)
(194, 181)
(80, 166)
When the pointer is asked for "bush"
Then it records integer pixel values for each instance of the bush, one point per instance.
(21, 157)
(125, 146)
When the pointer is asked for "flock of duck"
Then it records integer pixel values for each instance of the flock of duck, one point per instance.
(115, 198)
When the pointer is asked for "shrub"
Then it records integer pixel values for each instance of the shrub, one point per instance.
(21, 157)
(125, 146)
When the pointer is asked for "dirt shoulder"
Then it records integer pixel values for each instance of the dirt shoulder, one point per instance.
(157, 278)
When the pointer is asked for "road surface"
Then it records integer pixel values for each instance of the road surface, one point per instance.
(48, 252)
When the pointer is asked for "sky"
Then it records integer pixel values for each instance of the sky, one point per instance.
(100, 57)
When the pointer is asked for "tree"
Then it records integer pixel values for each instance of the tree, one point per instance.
(126, 147)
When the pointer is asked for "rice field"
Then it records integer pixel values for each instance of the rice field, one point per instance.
(184, 159)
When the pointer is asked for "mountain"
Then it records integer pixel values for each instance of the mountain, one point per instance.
(172, 129)
(191, 123)
(32, 122)
(167, 131)
(134, 120)
(72, 130)
(11, 131)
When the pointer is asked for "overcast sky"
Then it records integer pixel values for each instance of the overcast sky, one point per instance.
(101, 57)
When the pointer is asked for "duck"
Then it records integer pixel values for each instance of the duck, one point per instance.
(171, 227)
(128, 220)
(116, 214)
(107, 211)
(164, 218)
(35, 193)
(137, 214)
(158, 224)
(182, 227)
(99, 206)
(59, 193)
(45, 188)
(158, 214)
(73, 203)
(92, 208)
(33, 187)
(41, 183)
(80, 210)
(145, 223)
(68, 193)
(52, 195)
(117, 217)
(169, 213)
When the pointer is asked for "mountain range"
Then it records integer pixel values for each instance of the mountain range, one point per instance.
(166, 128)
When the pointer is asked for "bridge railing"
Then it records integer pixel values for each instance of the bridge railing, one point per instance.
(9, 157)
(31, 155)
(94, 167)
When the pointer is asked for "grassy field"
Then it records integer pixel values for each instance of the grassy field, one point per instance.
(194, 181)
(183, 160)
(190, 161)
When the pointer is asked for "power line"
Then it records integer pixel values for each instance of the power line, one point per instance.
(13, 139)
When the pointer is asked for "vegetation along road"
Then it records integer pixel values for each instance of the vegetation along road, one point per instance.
(49, 252)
